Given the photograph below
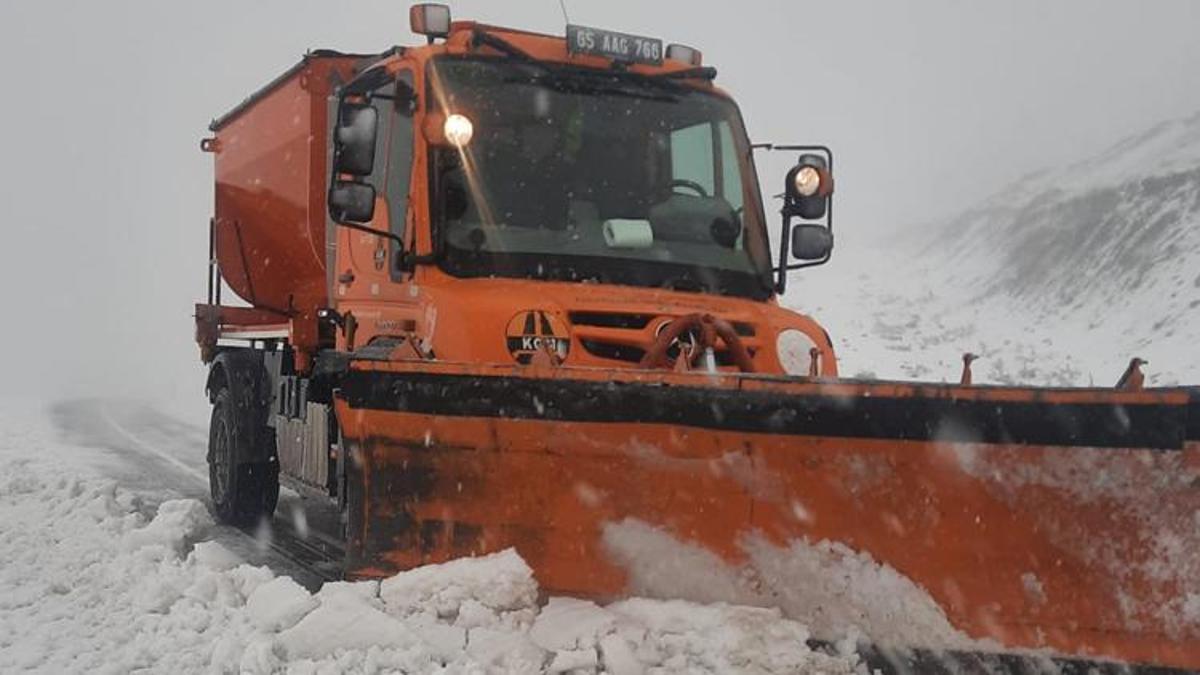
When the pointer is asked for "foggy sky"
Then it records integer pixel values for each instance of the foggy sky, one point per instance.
(929, 106)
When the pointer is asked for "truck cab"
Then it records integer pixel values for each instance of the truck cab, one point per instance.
(495, 198)
(533, 196)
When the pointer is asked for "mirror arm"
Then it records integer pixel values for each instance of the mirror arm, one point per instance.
(407, 260)
(782, 270)
(377, 232)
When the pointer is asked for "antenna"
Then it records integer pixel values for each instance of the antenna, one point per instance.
(563, 5)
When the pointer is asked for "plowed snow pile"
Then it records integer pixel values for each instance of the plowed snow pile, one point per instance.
(89, 584)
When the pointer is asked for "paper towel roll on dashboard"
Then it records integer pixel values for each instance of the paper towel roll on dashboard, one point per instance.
(622, 233)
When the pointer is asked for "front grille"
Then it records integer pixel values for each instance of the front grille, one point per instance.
(743, 329)
(725, 358)
(611, 319)
(615, 352)
(638, 321)
(620, 351)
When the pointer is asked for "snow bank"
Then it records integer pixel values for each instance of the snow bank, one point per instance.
(825, 585)
(465, 592)
(90, 584)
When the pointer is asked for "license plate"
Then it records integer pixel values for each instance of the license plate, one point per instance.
(616, 46)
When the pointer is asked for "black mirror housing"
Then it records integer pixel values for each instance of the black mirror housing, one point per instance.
(354, 139)
(351, 202)
(811, 242)
(810, 208)
(807, 196)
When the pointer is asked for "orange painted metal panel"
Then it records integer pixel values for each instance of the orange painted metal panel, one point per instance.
(1055, 547)
(270, 189)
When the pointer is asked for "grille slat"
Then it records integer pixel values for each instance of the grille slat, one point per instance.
(611, 319)
(744, 329)
(615, 352)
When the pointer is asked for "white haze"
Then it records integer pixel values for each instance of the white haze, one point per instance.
(930, 106)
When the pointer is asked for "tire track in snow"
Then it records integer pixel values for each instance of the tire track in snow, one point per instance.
(146, 447)
(139, 440)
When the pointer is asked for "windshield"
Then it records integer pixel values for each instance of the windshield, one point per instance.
(599, 176)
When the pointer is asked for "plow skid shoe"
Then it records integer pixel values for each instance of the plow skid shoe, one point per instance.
(1040, 526)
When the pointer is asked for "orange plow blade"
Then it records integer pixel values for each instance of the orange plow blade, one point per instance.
(1059, 524)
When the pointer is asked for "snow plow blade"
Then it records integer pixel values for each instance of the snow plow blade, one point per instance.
(1042, 526)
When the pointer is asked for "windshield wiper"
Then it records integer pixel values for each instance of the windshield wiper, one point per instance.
(686, 284)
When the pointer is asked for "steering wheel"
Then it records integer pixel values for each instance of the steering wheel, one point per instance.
(689, 184)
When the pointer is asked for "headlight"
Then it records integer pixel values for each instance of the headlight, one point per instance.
(808, 181)
(793, 347)
(458, 130)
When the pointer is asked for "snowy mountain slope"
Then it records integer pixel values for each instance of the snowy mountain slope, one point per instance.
(1118, 234)
(1059, 278)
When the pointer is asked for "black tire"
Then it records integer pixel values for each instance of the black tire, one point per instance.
(242, 492)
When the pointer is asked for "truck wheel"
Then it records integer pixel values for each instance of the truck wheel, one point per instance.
(242, 492)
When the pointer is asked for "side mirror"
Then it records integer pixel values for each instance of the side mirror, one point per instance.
(807, 196)
(811, 242)
(351, 202)
(354, 139)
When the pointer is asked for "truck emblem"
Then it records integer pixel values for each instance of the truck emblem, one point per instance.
(535, 330)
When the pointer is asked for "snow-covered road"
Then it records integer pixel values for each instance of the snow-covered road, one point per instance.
(110, 563)
(162, 458)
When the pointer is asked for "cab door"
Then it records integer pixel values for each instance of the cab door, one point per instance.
(370, 278)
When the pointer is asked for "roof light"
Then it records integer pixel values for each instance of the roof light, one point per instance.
(429, 19)
(685, 54)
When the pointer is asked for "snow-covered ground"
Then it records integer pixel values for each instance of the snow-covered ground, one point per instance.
(98, 578)
(110, 562)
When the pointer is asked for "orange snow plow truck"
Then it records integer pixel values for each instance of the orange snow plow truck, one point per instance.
(512, 290)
